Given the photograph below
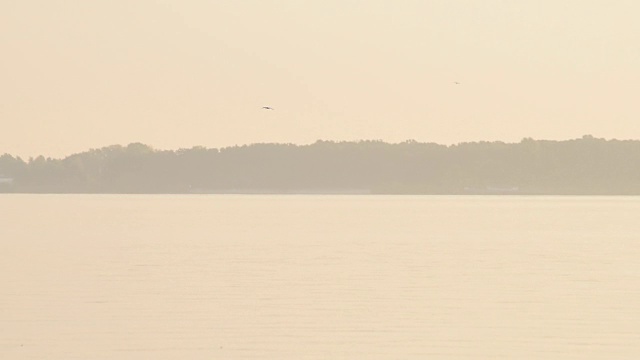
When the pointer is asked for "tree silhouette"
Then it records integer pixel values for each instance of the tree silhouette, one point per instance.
(581, 166)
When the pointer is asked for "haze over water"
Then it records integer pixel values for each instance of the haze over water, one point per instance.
(319, 277)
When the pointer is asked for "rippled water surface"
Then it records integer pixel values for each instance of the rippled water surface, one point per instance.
(319, 277)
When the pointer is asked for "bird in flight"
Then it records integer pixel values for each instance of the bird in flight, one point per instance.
(457, 83)
(267, 108)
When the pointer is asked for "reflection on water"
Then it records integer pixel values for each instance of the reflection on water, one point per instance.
(319, 277)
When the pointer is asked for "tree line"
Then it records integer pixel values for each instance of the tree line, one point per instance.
(587, 165)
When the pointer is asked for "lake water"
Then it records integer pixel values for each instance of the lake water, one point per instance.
(319, 277)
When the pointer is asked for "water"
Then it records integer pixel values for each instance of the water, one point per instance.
(319, 277)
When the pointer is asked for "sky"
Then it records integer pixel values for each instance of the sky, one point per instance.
(172, 74)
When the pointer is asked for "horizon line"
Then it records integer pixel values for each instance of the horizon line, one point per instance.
(407, 141)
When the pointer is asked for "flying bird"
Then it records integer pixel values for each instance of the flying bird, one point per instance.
(457, 83)
(267, 108)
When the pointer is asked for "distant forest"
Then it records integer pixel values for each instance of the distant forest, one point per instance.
(581, 166)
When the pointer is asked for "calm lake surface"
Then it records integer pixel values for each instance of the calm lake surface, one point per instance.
(319, 277)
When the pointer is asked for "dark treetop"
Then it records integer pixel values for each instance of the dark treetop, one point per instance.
(582, 166)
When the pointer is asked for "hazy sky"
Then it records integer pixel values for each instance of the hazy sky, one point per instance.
(178, 73)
